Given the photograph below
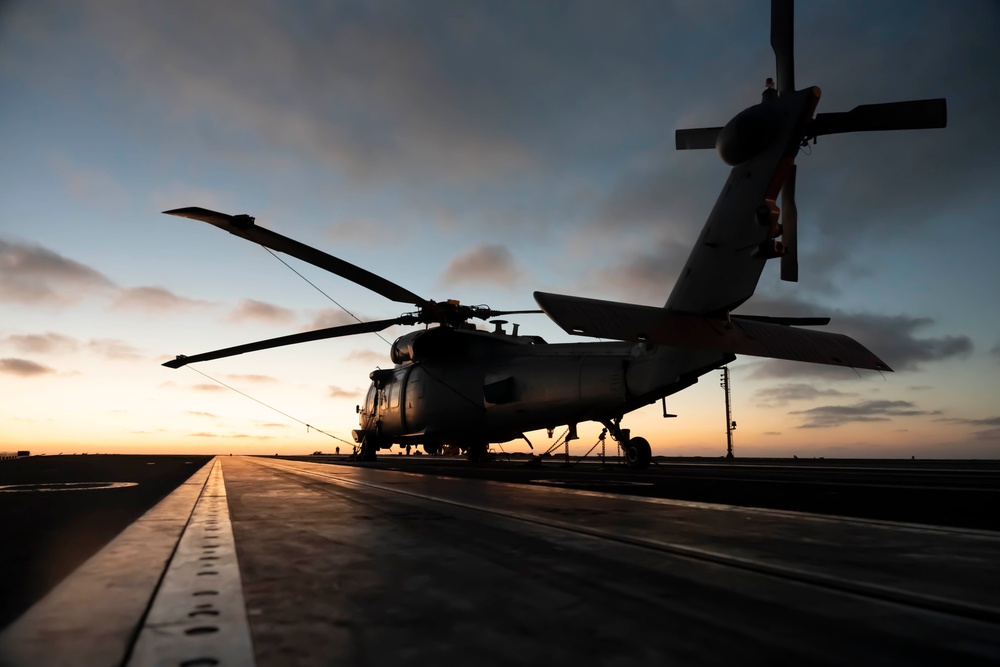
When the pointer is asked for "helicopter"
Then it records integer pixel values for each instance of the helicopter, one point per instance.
(454, 384)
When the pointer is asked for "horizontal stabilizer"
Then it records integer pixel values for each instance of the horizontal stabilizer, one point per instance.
(695, 138)
(751, 335)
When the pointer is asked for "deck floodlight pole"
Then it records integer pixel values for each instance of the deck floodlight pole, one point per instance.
(730, 424)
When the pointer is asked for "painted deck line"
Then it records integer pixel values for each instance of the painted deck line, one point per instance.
(90, 618)
(198, 616)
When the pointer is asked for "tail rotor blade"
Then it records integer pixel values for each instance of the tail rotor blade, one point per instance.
(782, 42)
(912, 115)
(695, 138)
(789, 231)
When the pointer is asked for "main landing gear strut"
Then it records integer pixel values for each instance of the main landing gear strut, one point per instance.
(637, 451)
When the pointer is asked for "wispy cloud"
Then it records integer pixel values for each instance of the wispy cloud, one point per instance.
(260, 311)
(112, 348)
(91, 187)
(784, 393)
(208, 387)
(368, 356)
(251, 377)
(45, 343)
(488, 263)
(23, 367)
(340, 392)
(51, 342)
(330, 317)
(829, 416)
(31, 274)
(991, 424)
(197, 413)
(154, 300)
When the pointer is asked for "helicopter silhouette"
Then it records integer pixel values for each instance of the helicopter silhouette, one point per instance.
(453, 384)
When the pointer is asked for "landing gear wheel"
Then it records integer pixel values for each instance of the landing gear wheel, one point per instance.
(638, 453)
(477, 452)
(432, 448)
(368, 452)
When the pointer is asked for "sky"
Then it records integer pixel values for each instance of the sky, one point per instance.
(477, 151)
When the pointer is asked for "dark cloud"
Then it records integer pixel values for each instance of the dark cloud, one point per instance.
(488, 263)
(782, 394)
(991, 424)
(43, 343)
(154, 300)
(23, 367)
(260, 311)
(339, 392)
(646, 276)
(894, 338)
(31, 274)
(828, 416)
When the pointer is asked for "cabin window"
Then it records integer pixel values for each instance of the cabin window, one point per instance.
(370, 400)
(394, 395)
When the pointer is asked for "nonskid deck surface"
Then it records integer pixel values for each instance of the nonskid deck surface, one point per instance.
(361, 565)
(952, 493)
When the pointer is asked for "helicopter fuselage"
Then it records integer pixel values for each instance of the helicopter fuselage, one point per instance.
(462, 386)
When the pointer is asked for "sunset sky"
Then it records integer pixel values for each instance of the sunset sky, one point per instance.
(476, 151)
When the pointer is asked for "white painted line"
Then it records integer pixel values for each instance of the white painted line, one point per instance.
(90, 618)
(198, 616)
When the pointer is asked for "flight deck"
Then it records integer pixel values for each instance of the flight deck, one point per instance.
(271, 561)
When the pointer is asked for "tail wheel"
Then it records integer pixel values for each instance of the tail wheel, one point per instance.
(637, 453)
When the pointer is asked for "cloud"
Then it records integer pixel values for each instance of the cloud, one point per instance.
(829, 416)
(368, 356)
(202, 414)
(92, 187)
(995, 351)
(488, 263)
(203, 434)
(208, 387)
(330, 317)
(272, 425)
(45, 343)
(31, 274)
(154, 300)
(251, 377)
(259, 311)
(992, 424)
(894, 338)
(390, 105)
(111, 348)
(23, 367)
(772, 432)
(339, 392)
(782, 394)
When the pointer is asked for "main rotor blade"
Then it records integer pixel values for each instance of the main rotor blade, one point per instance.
(782, 42)
(305, 337)
(244, 227)
(696, 138)
(912, 115)
(789, 230)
